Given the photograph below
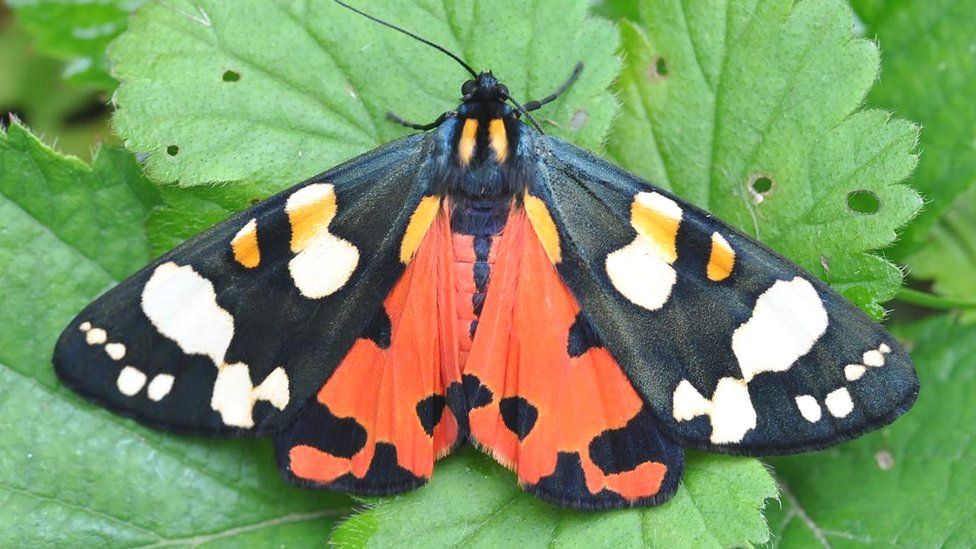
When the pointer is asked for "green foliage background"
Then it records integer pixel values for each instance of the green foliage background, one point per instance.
(143, 122)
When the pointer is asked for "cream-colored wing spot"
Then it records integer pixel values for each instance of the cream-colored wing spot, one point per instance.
(641, 271)
(544, 227)
(182, 306)
(323, 262)
(721, 260)
(788, 319)
(420, 221)
(245, 245)
(730, 409)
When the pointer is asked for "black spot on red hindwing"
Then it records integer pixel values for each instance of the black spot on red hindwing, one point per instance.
(567, 486)
(519, 415)
(380, 329)
(384, 477)
(318, 428)
(582, 337)
(429, 411)
(477, 394)
(639, 441)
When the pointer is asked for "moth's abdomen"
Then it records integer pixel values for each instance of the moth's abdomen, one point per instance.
(474, 258)
(476, 225)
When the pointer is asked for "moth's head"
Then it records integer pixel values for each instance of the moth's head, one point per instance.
(484, 88)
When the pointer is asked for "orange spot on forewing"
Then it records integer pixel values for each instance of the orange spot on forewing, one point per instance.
(245, 245)
(544, 226)
(417, 227)
(720, 260)
(310, 210)
(657, 217)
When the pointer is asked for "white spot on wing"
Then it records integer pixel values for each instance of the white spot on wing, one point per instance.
(234, 394)
(182, 305)
(324, 266)
(853, 372)
(160, 386)
(729, 410)
(130, 381)
(809, 408)
(787, 321)
(884, 348)
(85, 326)
(96, 336)
(641, 275)
(873, 358)
(688, 403)
(839, 402)
(115, 350)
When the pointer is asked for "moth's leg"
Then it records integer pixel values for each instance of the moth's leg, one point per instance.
(535, 105)
(423, 127)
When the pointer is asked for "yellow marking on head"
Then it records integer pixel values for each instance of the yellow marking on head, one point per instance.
(544, 226)
(417, 227)
(721, 260)
(498, 138)
(657, 217)
(467, 142)
(245, 245)
(310, 210)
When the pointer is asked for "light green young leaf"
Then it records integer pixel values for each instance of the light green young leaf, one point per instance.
(929, 76)
(77, 31)
(747, 109)
(213, 96)
(75, 475)
(949, 257)
(910, 485)
(470, 502)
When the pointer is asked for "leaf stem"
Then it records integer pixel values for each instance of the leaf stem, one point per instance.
(932, 301)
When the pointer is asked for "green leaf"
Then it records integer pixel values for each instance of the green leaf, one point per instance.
(929, 76)
(949, 257)
(212, 96)
(75, 475)
(77, 31)
(909, 485)
(747, 109)
(471, 502)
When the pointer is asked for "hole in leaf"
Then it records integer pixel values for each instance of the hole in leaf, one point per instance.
(762, 184)
(172, 150)
(231, 76)
(658, 69)
(864, 202)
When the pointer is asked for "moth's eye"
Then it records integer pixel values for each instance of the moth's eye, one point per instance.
(468, 87)
(503, 90)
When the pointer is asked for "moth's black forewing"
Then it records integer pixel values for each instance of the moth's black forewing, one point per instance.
(274, 325)
(689, 338)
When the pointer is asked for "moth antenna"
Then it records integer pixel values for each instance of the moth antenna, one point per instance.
(419, 38)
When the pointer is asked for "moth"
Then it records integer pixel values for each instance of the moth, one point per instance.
(483, 282)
